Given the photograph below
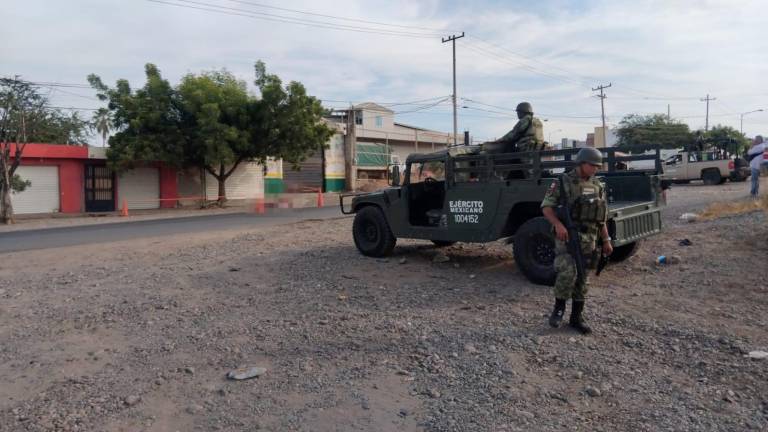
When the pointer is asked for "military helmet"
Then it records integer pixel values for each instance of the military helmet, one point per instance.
(524, 107)
(589, 155)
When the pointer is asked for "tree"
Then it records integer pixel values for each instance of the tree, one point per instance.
(102, 123)
(20, 111)
(727, 139)
(211, 122)
(638, 133)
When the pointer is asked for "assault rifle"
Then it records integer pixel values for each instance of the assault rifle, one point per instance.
(574, 239)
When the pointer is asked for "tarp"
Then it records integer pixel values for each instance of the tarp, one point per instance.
(371, 154)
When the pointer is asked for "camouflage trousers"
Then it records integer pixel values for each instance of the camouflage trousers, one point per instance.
(566, 285)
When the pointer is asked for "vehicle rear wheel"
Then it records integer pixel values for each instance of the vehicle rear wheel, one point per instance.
(443, 243)
(620, 253)
(371, 232)
(711, 177)
(534, 250)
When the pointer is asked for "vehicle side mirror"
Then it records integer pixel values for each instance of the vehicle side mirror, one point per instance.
(394, 175)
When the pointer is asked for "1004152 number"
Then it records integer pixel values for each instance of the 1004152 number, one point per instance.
(466, 218)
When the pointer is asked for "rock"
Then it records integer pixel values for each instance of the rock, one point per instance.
(578, 375)
(402, 260)
(132, 400)
(470, 348)
(403, 412)
(194, 409)
(757, 355)
(471, 276)
(245, 373)
(593, 391)
(441, 258)
(572, 340)
(189, 370)
(234, 269)
(434, 394)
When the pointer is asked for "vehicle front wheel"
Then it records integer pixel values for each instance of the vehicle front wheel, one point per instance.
(534, 250)
(620, 253)
(371, 232)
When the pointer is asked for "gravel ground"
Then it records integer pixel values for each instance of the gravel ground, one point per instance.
(139, 335)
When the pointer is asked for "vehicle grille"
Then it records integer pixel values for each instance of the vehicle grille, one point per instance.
(637, 227)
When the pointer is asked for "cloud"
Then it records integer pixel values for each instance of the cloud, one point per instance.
(654, 52)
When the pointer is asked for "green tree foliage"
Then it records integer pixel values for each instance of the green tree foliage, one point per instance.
(638, 133)
(728, 139)
(210, 121)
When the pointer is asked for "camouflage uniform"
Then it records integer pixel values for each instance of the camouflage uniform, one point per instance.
(527, 135)
(575, 188)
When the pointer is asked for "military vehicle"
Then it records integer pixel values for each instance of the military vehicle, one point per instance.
(464, 194)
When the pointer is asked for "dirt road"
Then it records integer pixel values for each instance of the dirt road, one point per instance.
(139, 335)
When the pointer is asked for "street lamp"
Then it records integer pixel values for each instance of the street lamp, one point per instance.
(741, 128)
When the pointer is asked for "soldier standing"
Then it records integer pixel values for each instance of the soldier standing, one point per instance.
(585, 195)
(528, 133)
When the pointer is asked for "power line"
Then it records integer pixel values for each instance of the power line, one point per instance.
(336, 17)
(278, 18)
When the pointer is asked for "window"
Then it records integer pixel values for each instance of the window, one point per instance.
(379, 121)
(433, 169)
(359, 118)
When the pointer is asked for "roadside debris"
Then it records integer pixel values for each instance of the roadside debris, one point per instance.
(672, 259)
(685, 242)
(245, 373)
(689, 217)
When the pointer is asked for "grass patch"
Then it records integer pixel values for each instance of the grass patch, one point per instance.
(723, 209)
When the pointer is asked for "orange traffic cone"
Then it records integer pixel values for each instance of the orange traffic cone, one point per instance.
(320, 199)
(124, 210)
(259, 207)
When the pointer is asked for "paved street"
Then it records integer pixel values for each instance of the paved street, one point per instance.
(78, 235)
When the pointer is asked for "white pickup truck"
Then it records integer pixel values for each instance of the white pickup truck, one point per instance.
(712, 167)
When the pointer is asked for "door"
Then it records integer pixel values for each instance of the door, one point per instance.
(246, 182)
(309, 176)
(42, 195)
(140, 188)
(99, 189)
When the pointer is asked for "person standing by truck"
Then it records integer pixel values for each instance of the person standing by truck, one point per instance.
(585, 196)
(755, 156)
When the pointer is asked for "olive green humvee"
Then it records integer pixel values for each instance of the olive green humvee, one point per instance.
(466, 195)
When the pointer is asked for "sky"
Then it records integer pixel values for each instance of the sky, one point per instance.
(656, 55)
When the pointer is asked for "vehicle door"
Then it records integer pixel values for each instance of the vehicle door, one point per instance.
(675, 166)
(471, 199)
(425, 194)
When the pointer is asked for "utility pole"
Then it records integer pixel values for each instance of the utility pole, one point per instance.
(706, 122)
(350, 168)
(453, 39)
(669, 117)
(602, 97)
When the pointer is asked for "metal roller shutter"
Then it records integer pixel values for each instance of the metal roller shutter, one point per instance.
(246, 182)
(310, 176)
(43, 195)
(140, 187)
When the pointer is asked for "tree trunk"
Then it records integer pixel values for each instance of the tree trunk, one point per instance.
(6, 207)
(222, 191)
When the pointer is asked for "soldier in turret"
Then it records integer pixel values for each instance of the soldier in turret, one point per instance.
(528, 133)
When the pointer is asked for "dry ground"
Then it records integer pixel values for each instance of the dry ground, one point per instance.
(138, 335)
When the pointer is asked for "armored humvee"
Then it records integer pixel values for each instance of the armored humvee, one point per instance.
(466, 195)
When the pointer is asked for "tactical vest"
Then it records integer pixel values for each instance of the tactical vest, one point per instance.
(587, 201)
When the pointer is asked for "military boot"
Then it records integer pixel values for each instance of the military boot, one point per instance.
(577, 320)
(557, 314)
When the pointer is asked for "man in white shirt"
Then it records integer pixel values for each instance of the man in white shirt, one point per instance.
(755, 156)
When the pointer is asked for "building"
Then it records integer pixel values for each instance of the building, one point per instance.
(76, 179)
(611, 137)
(379, 141)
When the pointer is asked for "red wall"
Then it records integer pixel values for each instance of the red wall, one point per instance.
(71, 186)
(168, 187)
(35, 150)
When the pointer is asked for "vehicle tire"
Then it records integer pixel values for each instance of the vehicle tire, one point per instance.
(621, 253)
(711, 177)
(443, 243)
(534, 250)
(371, 232)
